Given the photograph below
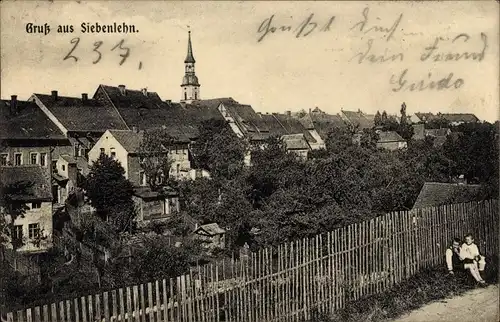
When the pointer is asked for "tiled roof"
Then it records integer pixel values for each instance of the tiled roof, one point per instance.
(437, 132)
(360, 120)
(37, 187)
(69, 158)
(130, 140)
(211, 229)
(389, 136)
(439, 141)
(324, 123)
(426, 116)
(30, 122)
(85, 116)
(294, 126)
(146, 193)
(295, 142)
(146, 112)
(460, 117)
(437, 194)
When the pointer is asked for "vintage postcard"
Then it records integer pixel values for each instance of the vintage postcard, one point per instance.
(249, 160)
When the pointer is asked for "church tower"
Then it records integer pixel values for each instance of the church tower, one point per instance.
(190, 86)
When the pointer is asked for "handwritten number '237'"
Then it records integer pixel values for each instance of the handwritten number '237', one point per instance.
(97, 45)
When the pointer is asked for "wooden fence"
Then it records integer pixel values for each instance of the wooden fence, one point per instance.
(288, 282)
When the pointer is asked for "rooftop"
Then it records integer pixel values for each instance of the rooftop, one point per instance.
(30, 180)
(25, 120)
(79, 115)
(436, 194)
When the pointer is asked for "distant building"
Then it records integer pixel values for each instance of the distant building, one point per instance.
(296, 143)
(358, 120)
(64, 178)
(391, 140)
(418, 131)
(459, 118)
(190, 85)
(34, 229)
(435, 194)
(212, 235)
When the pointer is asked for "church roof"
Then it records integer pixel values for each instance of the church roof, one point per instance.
(189, 57)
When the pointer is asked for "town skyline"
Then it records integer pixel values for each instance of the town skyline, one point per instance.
(273, 75)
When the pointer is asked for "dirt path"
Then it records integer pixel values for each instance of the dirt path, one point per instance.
(479, 305)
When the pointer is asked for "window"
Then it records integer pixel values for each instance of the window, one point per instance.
(33, 158)
(87, 154)
(4, 158)
(18, 158)
(63, 167)
(103, 151)
(36, 205)
(142, 176)
(195, 95)
(17, 232)
(113, 153)
(185, 96)
(82, 152)
(77, 150)
(178, 167)
(33, 230)
(43, 159)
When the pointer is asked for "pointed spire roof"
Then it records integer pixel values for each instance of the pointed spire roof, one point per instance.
(189, 57)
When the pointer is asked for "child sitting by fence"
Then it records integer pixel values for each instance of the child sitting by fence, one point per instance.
(472, 259)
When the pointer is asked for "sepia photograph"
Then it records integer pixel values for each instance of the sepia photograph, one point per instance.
(249, 161)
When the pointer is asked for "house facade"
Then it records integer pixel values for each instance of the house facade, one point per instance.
(28, 136)
(31, 232)
(211, 235)
(124, 146)
(391, 140)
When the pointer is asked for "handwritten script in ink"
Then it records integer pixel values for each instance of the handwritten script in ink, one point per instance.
(378, 41)
(120, 47)
(301, 28)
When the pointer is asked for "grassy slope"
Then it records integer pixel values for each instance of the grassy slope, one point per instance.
(423, 288)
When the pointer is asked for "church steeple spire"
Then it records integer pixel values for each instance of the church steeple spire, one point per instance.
(190, 85)
(189, 57)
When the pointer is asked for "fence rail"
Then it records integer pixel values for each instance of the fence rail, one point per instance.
(286, 283)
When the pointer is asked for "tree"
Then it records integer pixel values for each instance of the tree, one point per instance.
(377, 120)
(110, 193)
(218, 150)
(155, 157)
(403, 114)
(10, 209)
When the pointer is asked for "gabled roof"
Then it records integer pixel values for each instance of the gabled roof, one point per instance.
(425, 117)
(389, 136)
(211, 229)
(460, 117)
(37, 186)
(28, 121)
(78, 115)
(360, 120)
(130, 140)
(436, 194)
(149, 111)
(69, 158)
(295, 142)
(437, 132)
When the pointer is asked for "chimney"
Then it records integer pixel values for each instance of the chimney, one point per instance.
(145, 91)
(85, 97)
(54, 95)
(13, 104)
(122, 89)
(309, 110)
(289, 113)
(134, 129)
(168, 101)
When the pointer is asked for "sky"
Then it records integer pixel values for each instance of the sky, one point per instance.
(310, 54)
